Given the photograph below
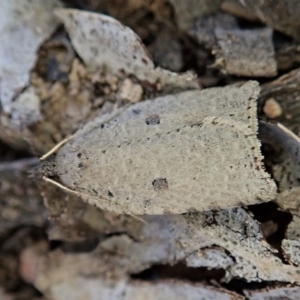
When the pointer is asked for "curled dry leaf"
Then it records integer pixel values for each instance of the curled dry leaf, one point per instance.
(246, 52)
(24, 26)
(196, 137)
(103, 41)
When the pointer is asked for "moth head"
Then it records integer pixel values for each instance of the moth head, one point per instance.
(46, 168)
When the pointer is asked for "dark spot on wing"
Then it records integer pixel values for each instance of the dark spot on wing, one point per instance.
(153, 120)
(160, 184)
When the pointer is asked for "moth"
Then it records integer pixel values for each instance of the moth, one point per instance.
(193, 151)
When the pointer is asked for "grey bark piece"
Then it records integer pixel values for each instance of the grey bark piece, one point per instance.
(169, 239)
(103, 41)
(246, 52)
(204, 29)
(282, 15)
(187, 10)
(192, 151)
(23, 27)
(235, 231)
(279, 293)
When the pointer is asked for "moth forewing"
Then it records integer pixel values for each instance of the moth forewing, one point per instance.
(196, 150)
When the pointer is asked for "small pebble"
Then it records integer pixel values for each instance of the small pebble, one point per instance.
(272, 108)
(131, 92)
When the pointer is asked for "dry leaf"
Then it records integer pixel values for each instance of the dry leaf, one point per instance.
(103, 41)
(24, 26)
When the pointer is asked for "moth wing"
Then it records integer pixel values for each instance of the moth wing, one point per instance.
(170, 112)
(213, 164)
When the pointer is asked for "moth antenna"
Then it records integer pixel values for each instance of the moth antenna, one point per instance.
(84, 195)
(56, 147)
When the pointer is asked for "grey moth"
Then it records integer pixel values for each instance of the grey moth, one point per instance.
(192, 151)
